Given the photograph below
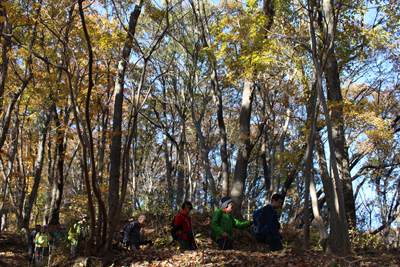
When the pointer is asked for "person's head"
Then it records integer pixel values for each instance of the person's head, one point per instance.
(142, 220)
(44, 228)
(82, 219)
(58, 227)
(277, 201)
(37, 227)
(227, 203)
(187, 206)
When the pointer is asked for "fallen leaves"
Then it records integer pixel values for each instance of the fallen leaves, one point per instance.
(212, 257)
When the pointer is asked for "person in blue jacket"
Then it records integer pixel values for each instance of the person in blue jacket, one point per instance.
(270, 218)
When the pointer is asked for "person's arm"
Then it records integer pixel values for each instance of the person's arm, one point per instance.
(31, 238)
(240, 225)
(178, 220)
(71, 233)
(269, 221)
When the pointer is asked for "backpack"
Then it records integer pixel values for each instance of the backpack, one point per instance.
(121, 233)
(260, 230)
(32, 236)
(174, 229)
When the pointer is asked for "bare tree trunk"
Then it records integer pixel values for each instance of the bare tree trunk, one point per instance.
(7, 176)
(244, 149)
(205, 152)
(181, 164)
(281, 150)
(340, 241)
(335, 96)
(168, 170)
(217, 96)
(26, 214)
(265, 151)
(115, 153)
(311, 121)
(5, 28)
(50, 181)
(323, 233)
(59, 178)
(167, 151)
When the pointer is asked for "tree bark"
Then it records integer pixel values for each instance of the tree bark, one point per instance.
(6, 47)
(203, 146)
(59, 179)
(26, 214)
(340, 241)
(244, 149)
(217, 96)
(115, 153)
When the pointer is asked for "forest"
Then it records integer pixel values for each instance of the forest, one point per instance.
(115, 108)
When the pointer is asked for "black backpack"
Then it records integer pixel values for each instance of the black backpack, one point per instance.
(260, 230)
(175, 229)
(121, 233)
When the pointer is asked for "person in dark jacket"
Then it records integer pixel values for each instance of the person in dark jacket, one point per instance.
(132, 236)
(270, 218)
(184, 223)
(223, 224)
(31, 240)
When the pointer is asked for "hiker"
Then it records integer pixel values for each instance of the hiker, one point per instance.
(270, 220)
(77, 235)
(132, 236)
(31, 241)
(59, 235)
(223, 224)
(183, 224)
(42, 242)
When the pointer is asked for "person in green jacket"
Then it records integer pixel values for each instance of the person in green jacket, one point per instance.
(223, 224)
(77, 235)
(42, 242)
(60, 235)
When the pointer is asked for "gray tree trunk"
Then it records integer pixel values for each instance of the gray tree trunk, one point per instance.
(181, 164)
(26, 214)
(115, 152)
(59, 178)
(244, 149)
(204, 152)
(339, 234)
(309, 184)
(202, 23)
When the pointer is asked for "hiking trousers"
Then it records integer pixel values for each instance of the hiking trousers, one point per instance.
(225, 244)
(40, 254)
(186, 244)
(274, 244)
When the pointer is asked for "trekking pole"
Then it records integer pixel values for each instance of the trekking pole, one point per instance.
(33, 256)
(48, 264)
(224, 243)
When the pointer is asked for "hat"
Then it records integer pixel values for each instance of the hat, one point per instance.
(44, 225)
(225, 202)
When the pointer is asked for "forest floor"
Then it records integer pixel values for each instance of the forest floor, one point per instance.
(247, 252)
(13, 254)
